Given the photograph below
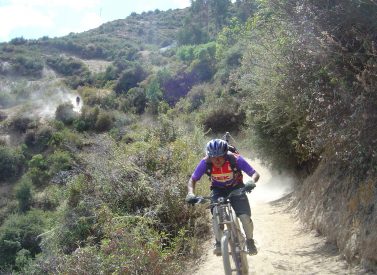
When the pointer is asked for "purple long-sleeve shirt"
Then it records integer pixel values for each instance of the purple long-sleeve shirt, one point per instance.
(223, 177)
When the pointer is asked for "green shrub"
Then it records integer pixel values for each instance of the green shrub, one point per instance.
(87, 119)
(186, 53)
(135, 101)
(27, 66)
(66, 136)
(24, 194)
(104, 121)
(196, 97)
(50, 198)
(78, 221)
(23, 259)
(130, 78)
(38, 176)
(11, 162)
(38, 170)
(66, 66)
(21, 231)
(59, 161)
(43, 136)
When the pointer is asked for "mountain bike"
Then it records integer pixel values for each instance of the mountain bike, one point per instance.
(233, 242)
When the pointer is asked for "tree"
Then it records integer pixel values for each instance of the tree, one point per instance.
(220, 10)
(211, 11)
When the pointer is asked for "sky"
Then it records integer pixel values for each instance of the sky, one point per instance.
(33, 19)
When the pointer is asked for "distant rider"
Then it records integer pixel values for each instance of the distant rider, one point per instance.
(225, 179)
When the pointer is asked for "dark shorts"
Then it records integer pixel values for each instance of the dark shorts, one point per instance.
(240, 204)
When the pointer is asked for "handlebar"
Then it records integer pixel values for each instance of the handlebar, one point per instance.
(201, 199)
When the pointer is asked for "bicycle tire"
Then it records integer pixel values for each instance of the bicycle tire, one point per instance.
(242, 264)
(225, 252)
(245, 264)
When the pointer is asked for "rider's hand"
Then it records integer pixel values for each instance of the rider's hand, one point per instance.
(190, 197)
(249, 185)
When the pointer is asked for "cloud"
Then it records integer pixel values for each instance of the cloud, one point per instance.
(46, 16)
(181, 3)
(16, 16)
(88, 21)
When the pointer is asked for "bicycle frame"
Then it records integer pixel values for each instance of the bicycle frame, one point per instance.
(232, 239)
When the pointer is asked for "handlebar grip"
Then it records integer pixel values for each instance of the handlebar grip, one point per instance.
(194, 200)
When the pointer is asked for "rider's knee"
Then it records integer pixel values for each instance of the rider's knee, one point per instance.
(247, 224)
(246, 221)
(245, 218)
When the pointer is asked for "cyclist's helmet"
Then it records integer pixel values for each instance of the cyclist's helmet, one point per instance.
(216, 148)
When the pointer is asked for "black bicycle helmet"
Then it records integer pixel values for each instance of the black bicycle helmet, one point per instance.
(216, 148)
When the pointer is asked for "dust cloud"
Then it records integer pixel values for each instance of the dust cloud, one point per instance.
(271, 186)
(37, 99)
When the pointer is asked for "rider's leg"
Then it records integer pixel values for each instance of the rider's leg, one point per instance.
(217, 229)
(248, 226)
(242, 208)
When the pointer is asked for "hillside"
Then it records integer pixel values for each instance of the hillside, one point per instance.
(99, 184)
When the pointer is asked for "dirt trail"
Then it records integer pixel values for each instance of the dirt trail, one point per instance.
(285, 246)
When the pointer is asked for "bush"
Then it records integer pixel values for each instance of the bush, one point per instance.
(221, 120)
(135, 101)
(24, 194)
(23, 259)
(65, 113)
(21, 123)
(50, 198)
(21, 231)
(87, 119)
(67, 66)
(11, 162)
(104, 121)
(27, 66)
(130, 78)
(38, 170)
(38, 139)
(59, 161)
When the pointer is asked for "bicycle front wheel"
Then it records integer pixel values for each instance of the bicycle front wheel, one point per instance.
(226, 253)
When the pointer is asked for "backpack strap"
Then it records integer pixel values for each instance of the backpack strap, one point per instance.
(208, 167)
(233, 162)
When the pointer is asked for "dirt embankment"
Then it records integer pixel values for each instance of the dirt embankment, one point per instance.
(342, 210)
(285, 245)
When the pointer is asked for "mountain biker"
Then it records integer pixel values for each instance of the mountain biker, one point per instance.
(225, 179)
